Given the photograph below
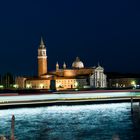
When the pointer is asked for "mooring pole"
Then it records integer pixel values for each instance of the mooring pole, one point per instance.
(13, 128)
(131, 104)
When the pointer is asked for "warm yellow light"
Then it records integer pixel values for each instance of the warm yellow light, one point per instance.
(41, 85)
(58, 85)
(76, 84)
(28, 86)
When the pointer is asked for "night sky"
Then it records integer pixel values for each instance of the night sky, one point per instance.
(105, 31)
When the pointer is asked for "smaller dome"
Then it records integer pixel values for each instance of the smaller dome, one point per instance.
(77, 63)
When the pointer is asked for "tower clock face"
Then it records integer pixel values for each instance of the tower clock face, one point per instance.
(43, 53)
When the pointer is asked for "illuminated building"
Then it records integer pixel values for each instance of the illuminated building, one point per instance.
(98, 78)
(20, 82)
(63, 78)
(123, 80)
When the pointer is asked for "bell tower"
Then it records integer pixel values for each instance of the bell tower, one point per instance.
(42, 59)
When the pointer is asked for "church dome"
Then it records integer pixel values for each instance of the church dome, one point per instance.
(77, 63)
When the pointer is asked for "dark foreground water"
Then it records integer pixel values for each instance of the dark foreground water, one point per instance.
(83, 122)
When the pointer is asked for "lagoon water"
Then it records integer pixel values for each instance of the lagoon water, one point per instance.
(78, 122)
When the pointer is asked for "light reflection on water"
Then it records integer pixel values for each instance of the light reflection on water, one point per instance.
(83, 122)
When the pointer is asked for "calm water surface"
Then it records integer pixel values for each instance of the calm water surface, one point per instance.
(83, 122)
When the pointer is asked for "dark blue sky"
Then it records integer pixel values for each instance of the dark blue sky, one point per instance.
(107, 31)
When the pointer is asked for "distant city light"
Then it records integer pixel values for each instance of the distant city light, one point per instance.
(1, 86)
(15, 86)
(133, 83)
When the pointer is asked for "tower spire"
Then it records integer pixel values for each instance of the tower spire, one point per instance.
(42, 45)
(41, 42)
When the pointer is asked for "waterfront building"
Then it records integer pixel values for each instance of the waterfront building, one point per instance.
(20, 82)
(118, 80)
(78, 76)
(124, 83)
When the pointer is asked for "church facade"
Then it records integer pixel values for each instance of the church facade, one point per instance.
(64, 78)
